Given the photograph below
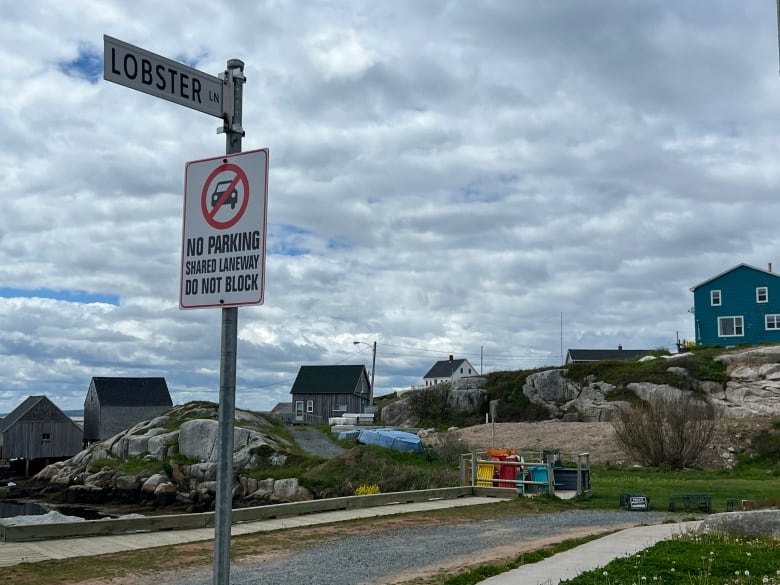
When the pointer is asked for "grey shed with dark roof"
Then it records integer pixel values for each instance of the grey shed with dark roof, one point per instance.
(115, 404)
(38, 429)
(321, 392)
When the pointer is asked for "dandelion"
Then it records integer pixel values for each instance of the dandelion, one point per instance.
(672, 569)
(765, 579)
(605, 573)
(748, 554)
(747, 573)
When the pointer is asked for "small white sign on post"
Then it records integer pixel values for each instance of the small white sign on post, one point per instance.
(223, 242)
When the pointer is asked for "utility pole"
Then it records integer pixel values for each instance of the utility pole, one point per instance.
(373, 370)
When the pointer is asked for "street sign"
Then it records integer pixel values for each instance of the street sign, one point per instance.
(161, 77)
(223, 241)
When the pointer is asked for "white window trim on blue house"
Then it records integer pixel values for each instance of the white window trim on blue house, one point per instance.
(772, 322)
(762, 294)
(715, 299)
(737, 326)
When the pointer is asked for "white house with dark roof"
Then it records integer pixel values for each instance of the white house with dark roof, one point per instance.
(115, 404)
(449, 370)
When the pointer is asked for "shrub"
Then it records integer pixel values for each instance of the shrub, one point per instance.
(507, 388)
(666, 431)
(449, 447)
(430, 405)
(764, 450)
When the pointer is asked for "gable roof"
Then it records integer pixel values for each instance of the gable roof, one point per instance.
(594, 355)
(281, 408)
(733, 268)
(132, 391)
(26, 406)
(444, 368)
(328, 379)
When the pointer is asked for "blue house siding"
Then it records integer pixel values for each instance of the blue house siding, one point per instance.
(737, 291)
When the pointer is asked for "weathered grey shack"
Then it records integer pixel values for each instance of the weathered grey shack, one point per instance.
(115, 404)
(321, 392)
(38, 429)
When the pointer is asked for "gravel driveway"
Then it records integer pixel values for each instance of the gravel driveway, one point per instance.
(315, 442)
(399, 554)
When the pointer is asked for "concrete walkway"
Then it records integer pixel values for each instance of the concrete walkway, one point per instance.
(591, 555)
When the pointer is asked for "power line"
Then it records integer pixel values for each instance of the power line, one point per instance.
(464, 353)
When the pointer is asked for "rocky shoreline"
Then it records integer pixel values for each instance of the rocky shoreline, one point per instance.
(170, 463)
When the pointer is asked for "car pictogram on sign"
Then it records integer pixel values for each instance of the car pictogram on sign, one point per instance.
(219, 189)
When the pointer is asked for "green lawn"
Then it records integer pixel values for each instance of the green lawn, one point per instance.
(608, 483)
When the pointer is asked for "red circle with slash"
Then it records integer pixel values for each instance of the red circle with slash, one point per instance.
(224, 196)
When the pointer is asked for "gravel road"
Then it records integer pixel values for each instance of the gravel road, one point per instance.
(314, 442)
(399, 554)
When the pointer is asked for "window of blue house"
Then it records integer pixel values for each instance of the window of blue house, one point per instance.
(772, 321)
(762, 294)
(715, 298)
(730, 327)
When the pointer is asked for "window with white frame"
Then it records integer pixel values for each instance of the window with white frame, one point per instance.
(762, 294)
(715, 298)
(772, 321)
(730, 327)
(309, 406)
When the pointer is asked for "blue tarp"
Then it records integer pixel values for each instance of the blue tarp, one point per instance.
(348, 435)
(391, 439)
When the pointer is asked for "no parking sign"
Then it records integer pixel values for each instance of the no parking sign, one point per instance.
(223, 242)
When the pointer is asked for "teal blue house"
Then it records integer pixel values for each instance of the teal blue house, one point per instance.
(738, 306)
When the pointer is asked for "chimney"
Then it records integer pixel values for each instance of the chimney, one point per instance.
(770, 267)
(620, 348)
(450, 358)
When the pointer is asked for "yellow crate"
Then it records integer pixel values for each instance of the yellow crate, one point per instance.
(485, 471)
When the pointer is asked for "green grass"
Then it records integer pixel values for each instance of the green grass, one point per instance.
(128, 466)
(392, 471)
(658, 485)
(699, 365)
(693, 559)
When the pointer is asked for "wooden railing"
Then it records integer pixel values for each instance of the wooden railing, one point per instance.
(109, 527)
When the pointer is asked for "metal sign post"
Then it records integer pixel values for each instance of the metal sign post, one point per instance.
(222, 97)
(227, 363)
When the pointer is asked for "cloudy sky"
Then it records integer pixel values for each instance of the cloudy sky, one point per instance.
(499, 180)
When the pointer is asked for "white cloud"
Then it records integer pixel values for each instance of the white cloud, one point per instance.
(493, 183)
